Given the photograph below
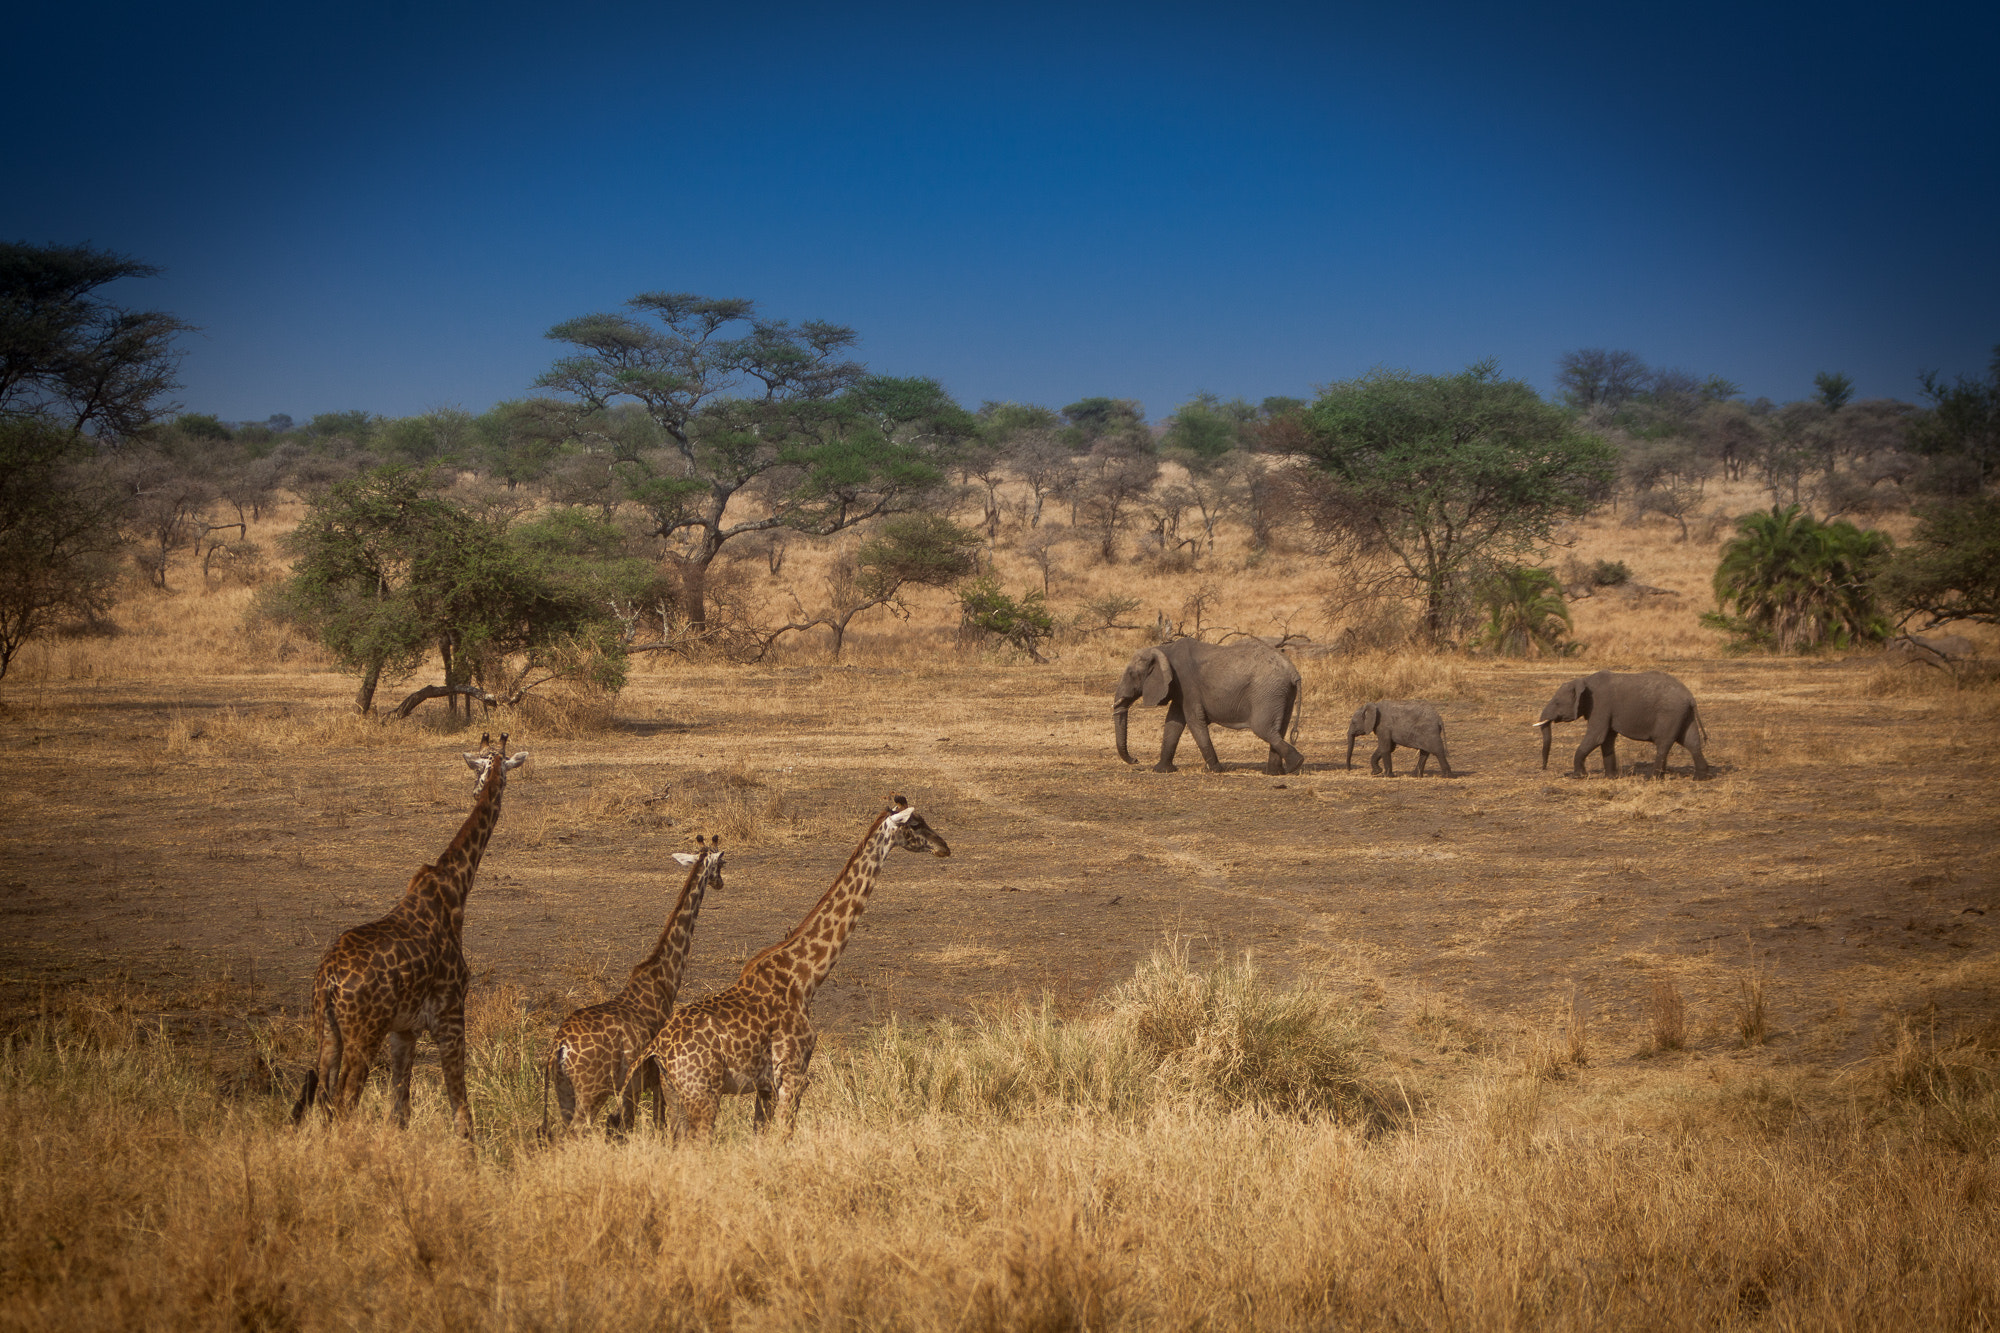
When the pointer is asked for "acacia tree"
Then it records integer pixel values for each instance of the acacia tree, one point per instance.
(753, 409)
(59, 534)
(387, 569)
(1447, 473)
(71, 360)
(1949, 569)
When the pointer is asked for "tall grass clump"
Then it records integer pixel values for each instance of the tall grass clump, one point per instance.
(1213, 1039)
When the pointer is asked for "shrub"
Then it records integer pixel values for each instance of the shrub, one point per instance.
(1025, 623)
(1797, 584)
(1525, 614)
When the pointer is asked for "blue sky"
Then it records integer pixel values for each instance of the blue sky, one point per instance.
(385, 208)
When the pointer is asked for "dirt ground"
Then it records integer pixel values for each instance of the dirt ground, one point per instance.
(220, 832)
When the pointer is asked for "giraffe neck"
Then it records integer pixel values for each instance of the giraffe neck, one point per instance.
(657, 980)
(808, 954)
(449, 878)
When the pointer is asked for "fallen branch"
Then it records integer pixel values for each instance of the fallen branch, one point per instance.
(429, 692)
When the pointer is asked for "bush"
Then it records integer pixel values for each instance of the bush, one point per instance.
(1798, 585)
(1525, 614)
(1025, 623)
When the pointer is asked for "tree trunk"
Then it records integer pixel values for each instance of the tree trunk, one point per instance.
(364, 698)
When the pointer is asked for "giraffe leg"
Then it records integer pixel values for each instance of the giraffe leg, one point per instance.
(402, 1054)
(353, 1063)
(650, 1081)
(449, 1034)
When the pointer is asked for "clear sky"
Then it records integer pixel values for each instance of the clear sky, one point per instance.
(386, 206)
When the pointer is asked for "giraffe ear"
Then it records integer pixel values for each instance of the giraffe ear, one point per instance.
(686, 858)
(514, 761)
(475, 762)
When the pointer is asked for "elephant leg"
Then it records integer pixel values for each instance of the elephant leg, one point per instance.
(1170, 738)
(1664, 744)
(1610, 754)
(1385, 751)
(1423, 757)
(1198, 725)
(1444, 765)
(1594, 739)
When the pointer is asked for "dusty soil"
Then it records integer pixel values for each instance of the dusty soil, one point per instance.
(221, 832)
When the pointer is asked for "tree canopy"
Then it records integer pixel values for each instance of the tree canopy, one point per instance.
(1949, 569)
(750, 408)
(1450, 474)
(387, 568)
(70, 359)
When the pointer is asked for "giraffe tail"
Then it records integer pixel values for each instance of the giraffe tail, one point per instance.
(329, 1031)
(555, 1054)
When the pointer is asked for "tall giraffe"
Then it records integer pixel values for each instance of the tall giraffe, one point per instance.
(757, 1036)
(406, 973)
(595, 1047)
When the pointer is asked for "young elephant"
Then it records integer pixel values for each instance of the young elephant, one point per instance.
(1644, 705)
(1399, 722)
(1247, 686)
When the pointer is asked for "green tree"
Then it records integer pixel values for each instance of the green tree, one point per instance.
(908, 550)
(776, 413)
(1094, 419)
(1949, 569)
(1798, 585)
(1447, 473)
(1833, 389)
(1204, 430)
(72, 360)
(1961, 428)
(387, 569)
(1596, 377)
(1024, 623)
(59, 536)
(1525, 614)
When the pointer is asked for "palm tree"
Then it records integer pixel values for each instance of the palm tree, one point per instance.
(1798, 584)
(1525, 614)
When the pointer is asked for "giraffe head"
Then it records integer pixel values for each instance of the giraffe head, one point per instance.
(709, 853)
(482, 762)
(909, 830)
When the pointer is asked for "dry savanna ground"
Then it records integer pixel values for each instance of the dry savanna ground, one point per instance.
(1192, 1050)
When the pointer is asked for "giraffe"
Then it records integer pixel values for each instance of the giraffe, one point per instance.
(757, 1036)
(595, 1047)
(406, 973)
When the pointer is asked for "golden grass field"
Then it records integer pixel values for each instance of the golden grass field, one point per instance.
(1178, 1051)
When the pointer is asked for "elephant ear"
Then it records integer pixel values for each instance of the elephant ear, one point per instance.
(1582, 700)
(1159, 678)
(1371, 717)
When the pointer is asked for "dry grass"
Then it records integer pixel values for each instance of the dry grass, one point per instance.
(137, 1196)
(1417, 1114)
(1666, 1015)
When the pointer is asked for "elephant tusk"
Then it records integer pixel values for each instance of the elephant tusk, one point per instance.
(1537, 726)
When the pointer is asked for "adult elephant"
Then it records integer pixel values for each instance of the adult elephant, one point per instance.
(1406, 722)
(1245, 686)
(1643, 705)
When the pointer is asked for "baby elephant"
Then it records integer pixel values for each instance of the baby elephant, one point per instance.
(1399, 722)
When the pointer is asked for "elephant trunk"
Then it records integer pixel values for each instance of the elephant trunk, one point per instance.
(1350, 747)
(1548, 739)
(1120, 714)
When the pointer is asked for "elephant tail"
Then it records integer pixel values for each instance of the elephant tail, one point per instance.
(1298, 716)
